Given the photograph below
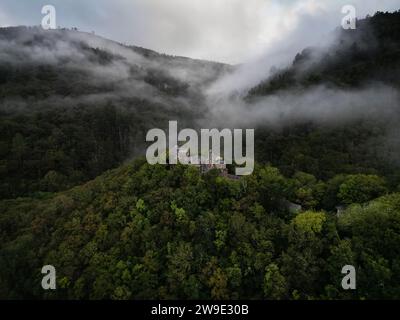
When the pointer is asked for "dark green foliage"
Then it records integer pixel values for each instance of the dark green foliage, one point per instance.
(59, 147)
(147, 232)
(325, 151)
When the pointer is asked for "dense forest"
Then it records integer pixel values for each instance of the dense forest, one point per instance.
(148, 232)
(73, 105)
(367, 57)
(76, 193)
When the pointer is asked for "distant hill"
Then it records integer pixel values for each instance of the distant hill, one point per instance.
(73, 104)
(366, 59)
(73, 51)
(368, 54)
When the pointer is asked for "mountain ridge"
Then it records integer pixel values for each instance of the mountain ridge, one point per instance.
(370, 52)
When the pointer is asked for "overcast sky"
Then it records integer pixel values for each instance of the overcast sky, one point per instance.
(232, 31)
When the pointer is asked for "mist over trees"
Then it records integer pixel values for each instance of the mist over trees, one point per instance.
(70, 111)
(74, 112)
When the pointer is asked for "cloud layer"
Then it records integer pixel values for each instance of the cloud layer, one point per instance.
(233, 31)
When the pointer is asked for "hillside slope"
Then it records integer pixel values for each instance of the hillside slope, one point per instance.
(73, 105)
(368, 54)
(335, 108)
(148, 232)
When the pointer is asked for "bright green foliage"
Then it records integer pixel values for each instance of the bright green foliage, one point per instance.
(310, 221)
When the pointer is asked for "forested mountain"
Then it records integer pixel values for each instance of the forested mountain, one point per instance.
(344, 101)
(370, 53)
(324, 193)
(73, 105)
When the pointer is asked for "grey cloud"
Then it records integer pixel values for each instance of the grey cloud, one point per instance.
(227, 30)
